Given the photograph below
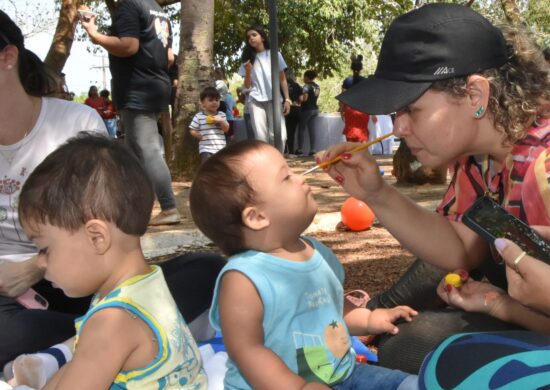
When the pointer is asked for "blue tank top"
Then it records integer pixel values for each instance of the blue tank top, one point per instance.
(303, 314)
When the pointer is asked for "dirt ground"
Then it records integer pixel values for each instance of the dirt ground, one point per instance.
(373, 259)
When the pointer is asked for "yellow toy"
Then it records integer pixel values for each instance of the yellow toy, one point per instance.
(453, 280)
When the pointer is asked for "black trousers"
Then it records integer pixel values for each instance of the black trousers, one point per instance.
(291, 121)
(190, 278)
(434, 323)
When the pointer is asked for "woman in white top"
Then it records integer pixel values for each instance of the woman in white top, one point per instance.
(256, 70)
(31, 126)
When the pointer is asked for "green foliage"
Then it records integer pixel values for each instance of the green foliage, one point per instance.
(81, 98)
(538, 17)
(535, 13)
(313, 34)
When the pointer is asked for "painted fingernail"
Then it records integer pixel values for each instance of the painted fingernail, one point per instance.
(346, 156)
(317, 160)
(464, 275)
(340, 179)
(448, 288)
(501, 244)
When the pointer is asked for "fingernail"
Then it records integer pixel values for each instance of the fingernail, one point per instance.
(340, 179)
(346, 156)
(501, 244)
(448, 288)
(317, 160)
(464, 275)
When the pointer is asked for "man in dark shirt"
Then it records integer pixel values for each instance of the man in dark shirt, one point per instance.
(140, 52)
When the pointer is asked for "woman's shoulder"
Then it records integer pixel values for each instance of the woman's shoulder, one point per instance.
(63, 115)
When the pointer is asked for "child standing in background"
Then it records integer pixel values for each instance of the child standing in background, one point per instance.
(279, 301)
(209, 125)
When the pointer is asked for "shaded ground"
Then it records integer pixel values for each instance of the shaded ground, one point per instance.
(373, 259)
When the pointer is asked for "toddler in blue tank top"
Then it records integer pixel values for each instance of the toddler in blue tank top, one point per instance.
(279, 302)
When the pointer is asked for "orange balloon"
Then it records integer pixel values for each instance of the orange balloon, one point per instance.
(356, 215)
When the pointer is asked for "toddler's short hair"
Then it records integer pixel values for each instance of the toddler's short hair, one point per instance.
(90, 176)
(210, 92)
(220, 192)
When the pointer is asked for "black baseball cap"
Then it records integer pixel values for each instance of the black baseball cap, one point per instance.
(435, 42)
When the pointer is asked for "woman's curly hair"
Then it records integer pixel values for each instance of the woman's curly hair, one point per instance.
(519, 90)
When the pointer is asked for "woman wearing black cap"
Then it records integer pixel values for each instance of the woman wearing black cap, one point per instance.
(468, 96)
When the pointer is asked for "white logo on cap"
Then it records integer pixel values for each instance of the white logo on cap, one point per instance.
(444, 70)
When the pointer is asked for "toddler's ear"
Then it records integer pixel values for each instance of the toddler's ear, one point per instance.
(99, 235)
(254, 219)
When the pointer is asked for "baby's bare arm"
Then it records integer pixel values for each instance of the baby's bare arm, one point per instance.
(109, 340)
(241, 314)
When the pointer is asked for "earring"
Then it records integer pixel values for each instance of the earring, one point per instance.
(479, 112)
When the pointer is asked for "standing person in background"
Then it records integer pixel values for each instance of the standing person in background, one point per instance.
(356, 123)
(229, 106)
(209, 126)
(256, 70)
(95, 101)
(109, 113)
(140, 53)
(309, 111)
(293, 117)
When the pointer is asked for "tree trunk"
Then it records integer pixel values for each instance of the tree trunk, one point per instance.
(64, 35)
(511, 11)
(195, 64)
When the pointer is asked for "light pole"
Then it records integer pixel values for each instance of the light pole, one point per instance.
(275, 83)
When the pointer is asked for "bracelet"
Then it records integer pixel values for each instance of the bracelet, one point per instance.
(289, 101)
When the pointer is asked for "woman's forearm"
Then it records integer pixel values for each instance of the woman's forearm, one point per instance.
(510, 310)
(426, 234)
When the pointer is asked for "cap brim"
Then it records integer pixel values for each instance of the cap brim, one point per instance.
(382, 96)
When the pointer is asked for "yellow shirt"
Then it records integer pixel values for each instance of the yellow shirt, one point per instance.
(178, 363)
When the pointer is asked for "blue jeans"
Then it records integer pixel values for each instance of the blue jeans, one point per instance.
(306, 124)
(367, 376)
(143, 137)
(111, 126)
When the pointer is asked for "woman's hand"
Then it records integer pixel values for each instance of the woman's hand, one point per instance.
(357, 172)
(528, 279)
(472, 296)
(18, 277)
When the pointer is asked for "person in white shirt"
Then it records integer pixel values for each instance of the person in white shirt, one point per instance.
(256, 70)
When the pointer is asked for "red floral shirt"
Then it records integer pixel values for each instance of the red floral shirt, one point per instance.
(521, 187)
